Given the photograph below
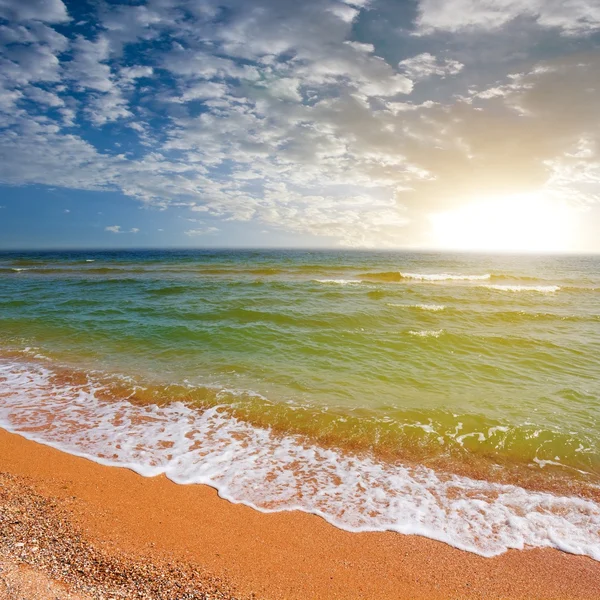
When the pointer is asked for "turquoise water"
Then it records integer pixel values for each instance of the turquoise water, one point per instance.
(483, 367)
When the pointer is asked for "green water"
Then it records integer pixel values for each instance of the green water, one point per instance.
(337, 346)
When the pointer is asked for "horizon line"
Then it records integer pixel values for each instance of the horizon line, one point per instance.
(305, 249)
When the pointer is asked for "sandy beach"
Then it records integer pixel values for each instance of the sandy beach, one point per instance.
(90, 531)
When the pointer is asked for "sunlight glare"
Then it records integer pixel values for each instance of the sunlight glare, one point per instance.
(520, 222)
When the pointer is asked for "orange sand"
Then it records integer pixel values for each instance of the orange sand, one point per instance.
(285, 555)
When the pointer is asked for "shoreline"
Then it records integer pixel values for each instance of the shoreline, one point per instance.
(239, 552)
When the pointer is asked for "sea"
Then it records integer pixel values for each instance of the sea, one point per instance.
(453, 396)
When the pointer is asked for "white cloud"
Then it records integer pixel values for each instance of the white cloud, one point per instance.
(361, 46)
(104, 108)
(286, 88)
(118, 229)
(570, 16)
(24, 64)
(202, 65)
(425, 65)
(203, 90)
(88, 68)
(50, 11)
(131, 74)
(271, 112)
(201, 231)
(344, 12)
(44, 97)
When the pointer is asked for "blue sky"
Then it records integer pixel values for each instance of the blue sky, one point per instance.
(361, 123)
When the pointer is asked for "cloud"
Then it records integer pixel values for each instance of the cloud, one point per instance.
(117, 229)
(314, 117)
(425, 65)
(88, 68)
(201, 231)
(27, 63)
(572, 17)
(44, 97)
(49, 11)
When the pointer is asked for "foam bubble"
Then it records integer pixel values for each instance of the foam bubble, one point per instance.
(427, 307)
(430, 307)
(339, 281)
(427, 333)
(543, 289)
(270, 472)
(444, 277)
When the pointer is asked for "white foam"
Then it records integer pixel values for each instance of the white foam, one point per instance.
(256, 467)
(543, 289)
(427, 333)
(444, 277)
(427, 307)
(339, 281)
(430, 307)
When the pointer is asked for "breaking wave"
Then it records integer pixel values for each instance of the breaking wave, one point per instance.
(274, 472)
(542, 289)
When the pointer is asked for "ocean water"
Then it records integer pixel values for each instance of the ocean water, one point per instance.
(454, 396)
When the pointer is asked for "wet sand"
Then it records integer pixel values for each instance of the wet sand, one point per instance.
(163, 537)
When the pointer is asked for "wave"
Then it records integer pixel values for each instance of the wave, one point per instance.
(543, 289)
(111, 281)
(339, 281)
(227, 270)
(395, 276)
(385, 276)
(427, 333)
(171, 290)
(514, 316)
(509, 277)
(426, 307)
(81, 269)
(580, 288)
(26, 263)
(444, 277)
(86, 267)
(273, 472)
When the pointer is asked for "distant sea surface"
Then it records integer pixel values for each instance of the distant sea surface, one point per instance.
(454, 396)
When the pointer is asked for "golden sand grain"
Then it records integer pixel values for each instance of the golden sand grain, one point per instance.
(109, 531)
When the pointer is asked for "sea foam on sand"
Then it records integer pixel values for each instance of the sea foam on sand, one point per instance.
(270, 472)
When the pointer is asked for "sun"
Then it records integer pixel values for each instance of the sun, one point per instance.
(519, 222)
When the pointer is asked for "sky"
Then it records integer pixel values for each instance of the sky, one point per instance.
(451, 124)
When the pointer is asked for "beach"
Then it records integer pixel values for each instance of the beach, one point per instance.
(187, 535)
(295, 424)
(299, 300)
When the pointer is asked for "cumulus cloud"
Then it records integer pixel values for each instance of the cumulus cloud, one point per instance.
(570, 16)
(278, 113)
(425, 65)
(118, 229)
(50, 11)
